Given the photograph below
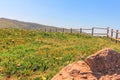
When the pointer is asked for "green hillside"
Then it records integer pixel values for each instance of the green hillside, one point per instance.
(35, 55)
(10, 23)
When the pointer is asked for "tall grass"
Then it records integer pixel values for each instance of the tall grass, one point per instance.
(35, 55)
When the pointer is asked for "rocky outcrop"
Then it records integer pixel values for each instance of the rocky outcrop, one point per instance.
(103, 65)
(104, 61)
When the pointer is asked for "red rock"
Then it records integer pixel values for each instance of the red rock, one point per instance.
(103, 65)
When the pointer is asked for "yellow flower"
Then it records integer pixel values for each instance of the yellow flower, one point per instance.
(43, 78)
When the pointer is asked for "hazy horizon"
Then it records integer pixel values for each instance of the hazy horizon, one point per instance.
(64, 13)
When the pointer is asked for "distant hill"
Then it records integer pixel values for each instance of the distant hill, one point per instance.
(9, 23)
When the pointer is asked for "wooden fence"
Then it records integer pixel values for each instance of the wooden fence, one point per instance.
(114, 35)
(90, 31)
(94, 31)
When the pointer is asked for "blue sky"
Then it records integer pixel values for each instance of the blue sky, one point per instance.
(64, 13)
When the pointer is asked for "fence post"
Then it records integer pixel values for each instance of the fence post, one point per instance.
(92, 31)
(50, 29)
(80, 30)
(71, 30)
(116, 35)
(111, 33)
(56, 29)
(107, 31)
(40, 29)
(45, 29)
(63, 30)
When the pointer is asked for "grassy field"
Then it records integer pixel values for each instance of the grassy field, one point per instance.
(35, 55)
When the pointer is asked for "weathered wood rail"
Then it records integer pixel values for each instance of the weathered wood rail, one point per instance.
(94, 31)
(114, 35)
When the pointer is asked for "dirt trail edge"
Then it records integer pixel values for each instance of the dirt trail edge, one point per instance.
(103, 65)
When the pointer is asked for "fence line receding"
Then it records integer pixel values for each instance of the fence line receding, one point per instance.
(94, 31)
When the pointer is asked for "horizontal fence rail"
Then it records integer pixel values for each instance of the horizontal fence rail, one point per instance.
(81, 30)
(115, 35)
(94, 31)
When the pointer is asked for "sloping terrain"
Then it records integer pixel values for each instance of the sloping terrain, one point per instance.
(103, 65)
(35, 55)
(9, 23)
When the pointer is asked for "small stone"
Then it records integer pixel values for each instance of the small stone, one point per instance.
(116, 66)
(83, 72)
(99, 73)
(84, 76)
(74, 72)
(72, 78)
(115, 74)
(60, 74)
